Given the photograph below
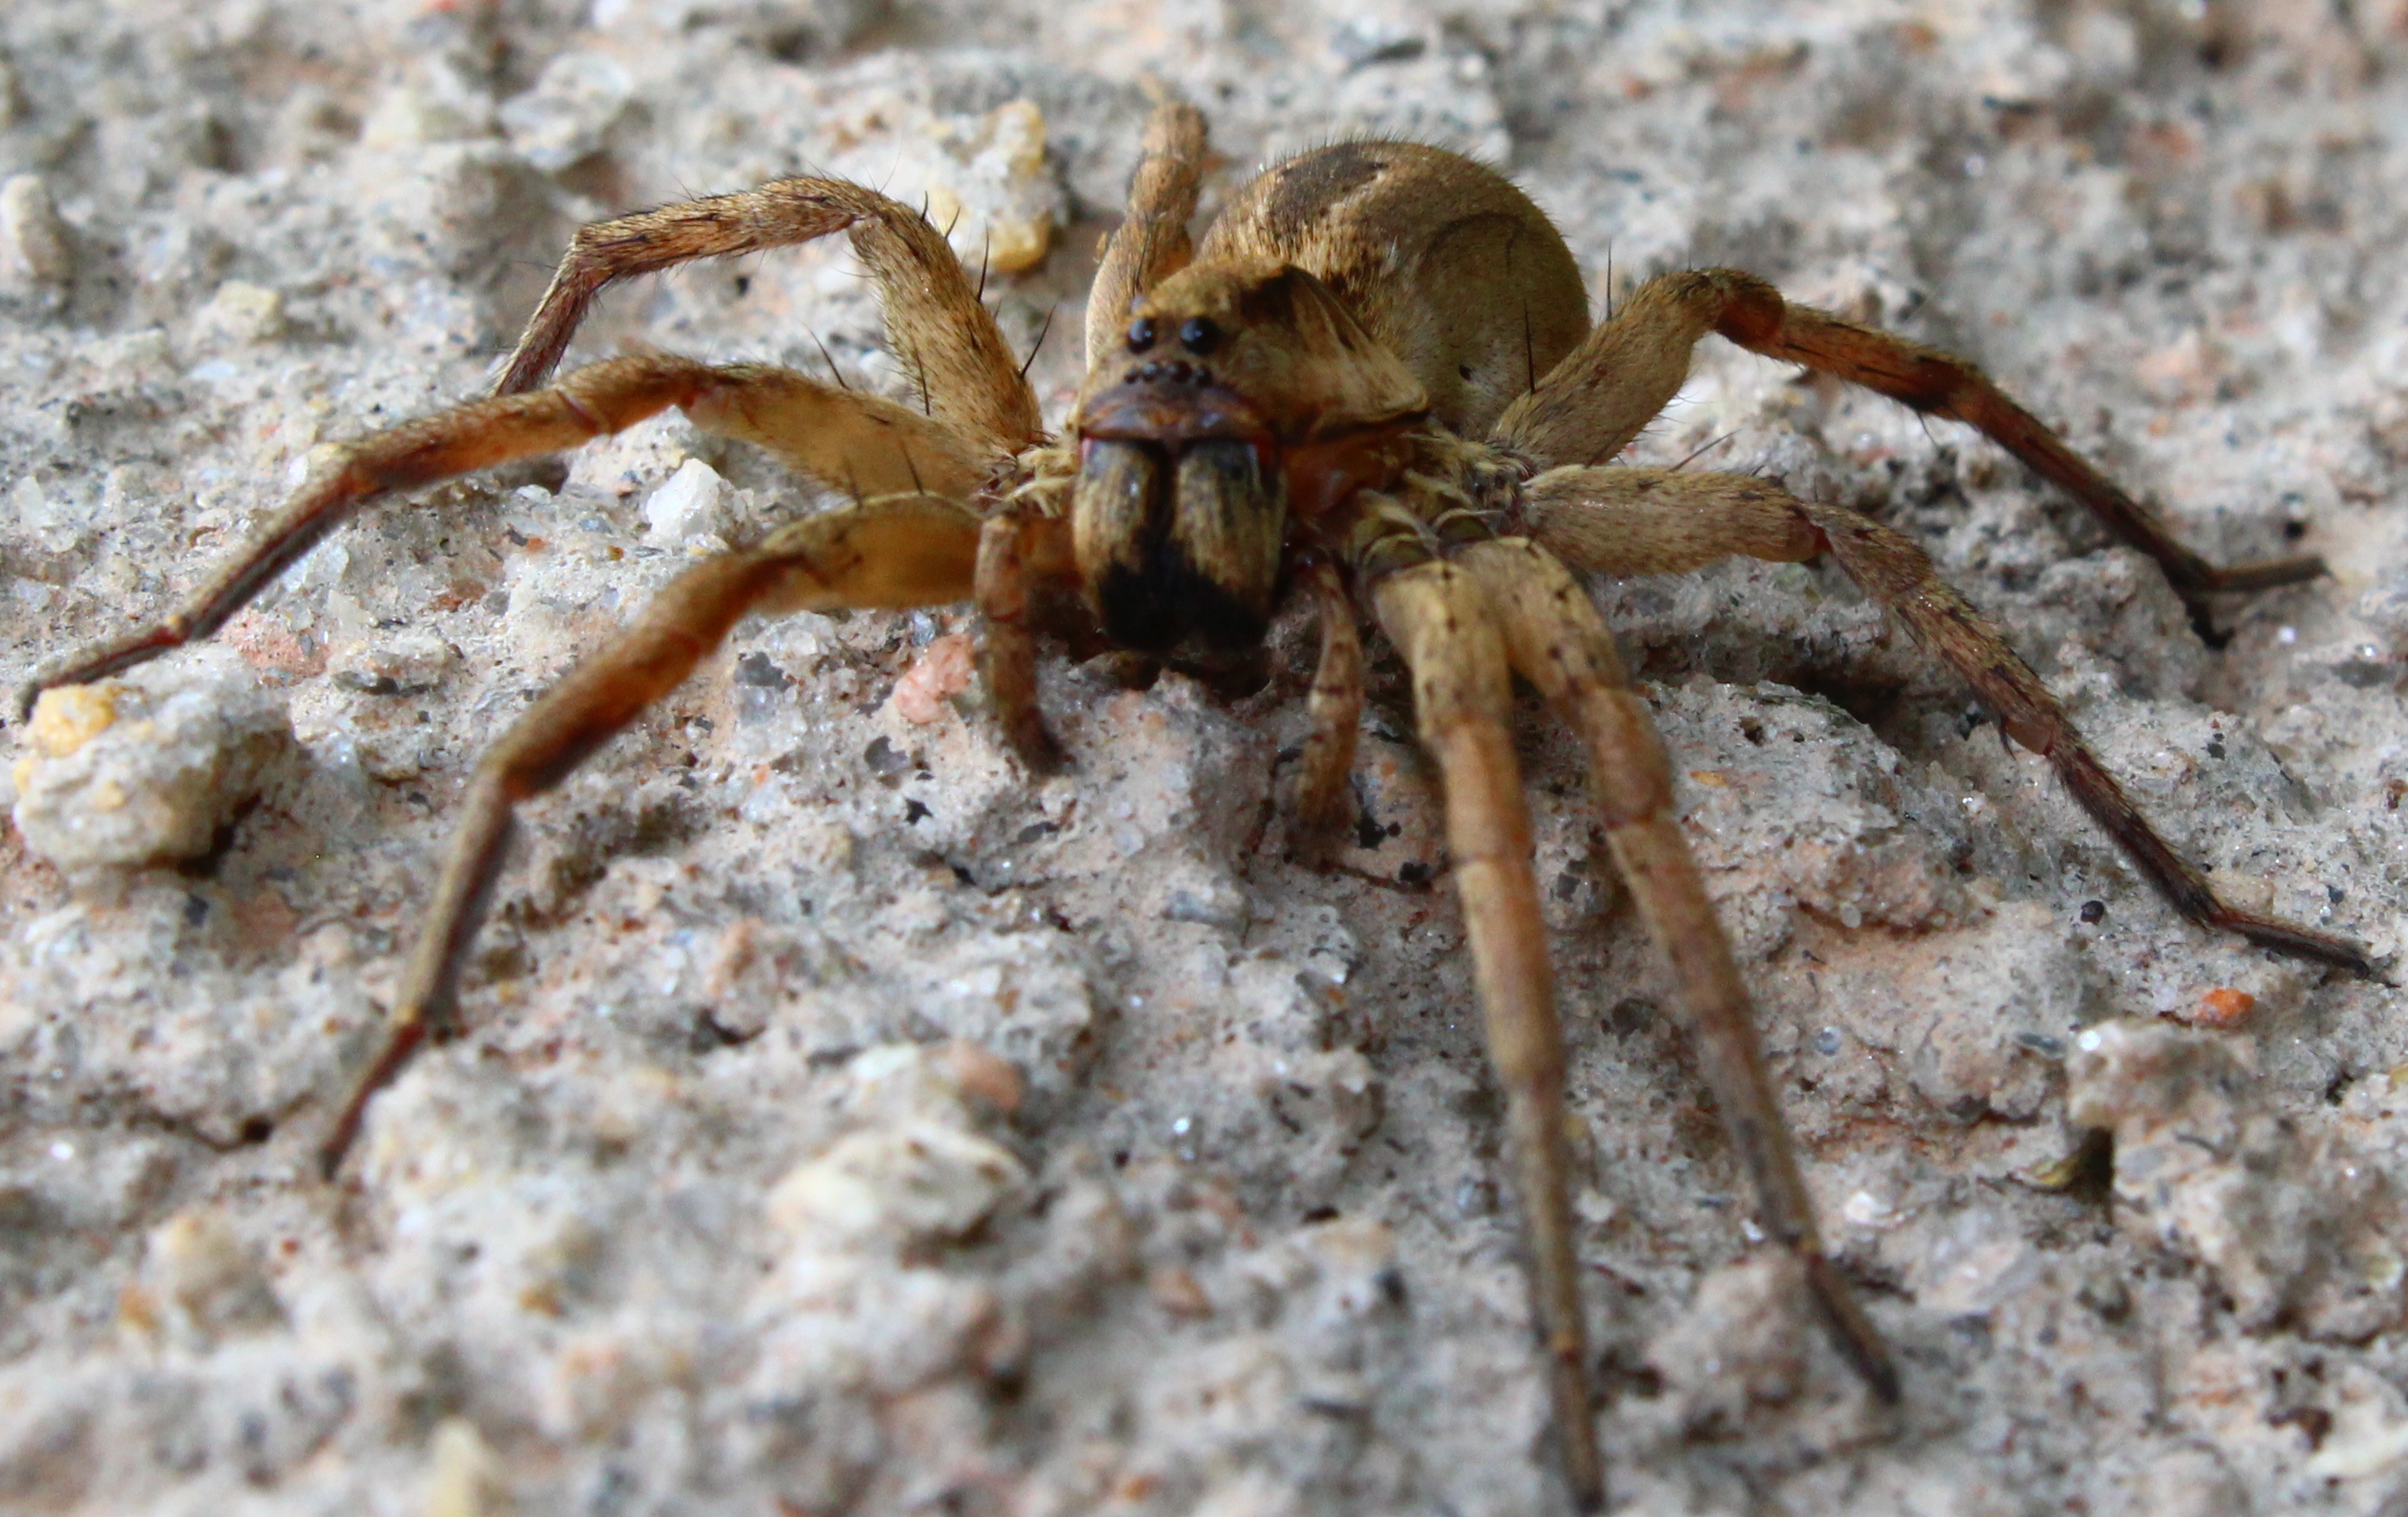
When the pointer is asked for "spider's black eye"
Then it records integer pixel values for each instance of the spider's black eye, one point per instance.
(1201, 334)
(1140, 335)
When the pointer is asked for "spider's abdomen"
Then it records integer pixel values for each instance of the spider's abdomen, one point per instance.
(1444, 262)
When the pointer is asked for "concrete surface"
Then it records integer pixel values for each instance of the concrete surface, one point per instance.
(850, 1126)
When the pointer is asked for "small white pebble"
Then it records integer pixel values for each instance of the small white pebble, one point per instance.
(393, 663)
(2286, 636)
(63, 1151)
(910, 1182)
(2088, 1042)
(240, 313)
(464, 1476)
(691, 504)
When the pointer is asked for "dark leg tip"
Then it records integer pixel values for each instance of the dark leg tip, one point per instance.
(2266, 576)
(401, 1042)
(1037, 750)
(330, 1156)
(1314, 834)
(1851, 1331)
(1584, 1472)
(2299, 943)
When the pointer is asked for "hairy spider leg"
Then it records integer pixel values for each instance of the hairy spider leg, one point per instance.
(941, 333)
(840, 437)
(889, 553)
(1590, 406)
(1019, 547)
(1439, 619)
(1615, 520)
(1151, 242)
(1557, 640)
(1334, 710)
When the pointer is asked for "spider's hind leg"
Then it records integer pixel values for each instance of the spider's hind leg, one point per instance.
(1662, 521)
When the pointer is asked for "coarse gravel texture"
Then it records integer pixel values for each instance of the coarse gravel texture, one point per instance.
(850, 1124)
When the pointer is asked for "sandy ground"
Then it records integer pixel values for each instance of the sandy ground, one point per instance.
(850, 1124)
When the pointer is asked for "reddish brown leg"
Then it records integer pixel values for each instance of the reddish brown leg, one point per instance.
(846, 440)
(1657, 521)
(1589, 406)
(1011, 544)
(1893, 569)
(605, 397)
(899, 552)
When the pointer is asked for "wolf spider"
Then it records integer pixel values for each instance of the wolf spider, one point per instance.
(1374, 383)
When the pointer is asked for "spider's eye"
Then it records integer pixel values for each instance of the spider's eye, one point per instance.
(1201, 334)
(1141, 333)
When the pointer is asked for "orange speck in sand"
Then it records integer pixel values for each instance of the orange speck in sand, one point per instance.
(2222, 1007)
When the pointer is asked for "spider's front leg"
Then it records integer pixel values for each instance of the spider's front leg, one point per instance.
(846, 438)
(1557, 641)
(1439, 619)
(947, 340)
(1335, 711)
(1018, 546)
(894, 549)
(889, 554)
(1151, 243)
(480, 434)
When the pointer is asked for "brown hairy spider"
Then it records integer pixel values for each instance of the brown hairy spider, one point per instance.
(1375, 383)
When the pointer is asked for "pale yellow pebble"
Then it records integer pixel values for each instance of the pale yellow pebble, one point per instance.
(69, 716)
(466, 1480)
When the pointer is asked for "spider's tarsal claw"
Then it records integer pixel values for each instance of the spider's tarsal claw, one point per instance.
(401, 1042)
(1311, 841)
(2274, 572)
(1128, 669)
(1852, 1332)
(2299, 943)
(1036, 748)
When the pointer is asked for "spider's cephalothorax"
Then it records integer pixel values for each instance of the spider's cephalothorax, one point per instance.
(1248, 394)
(1374, 380)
